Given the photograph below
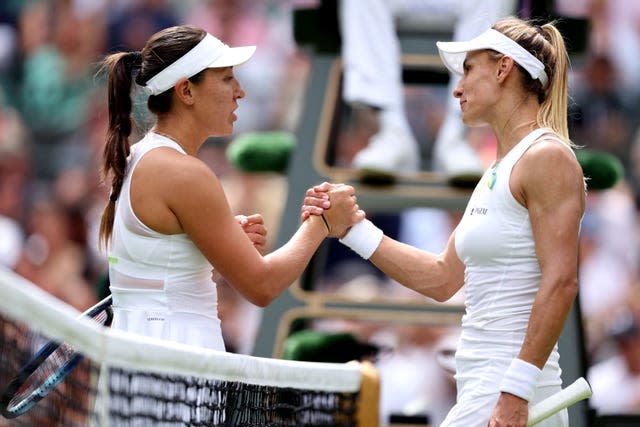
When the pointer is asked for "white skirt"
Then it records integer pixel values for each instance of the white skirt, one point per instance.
(482, 359)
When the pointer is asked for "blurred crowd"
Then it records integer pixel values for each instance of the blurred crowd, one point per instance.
(53, 117)
(53, 120)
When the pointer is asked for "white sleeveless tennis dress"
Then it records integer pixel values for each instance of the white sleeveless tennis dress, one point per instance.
(161, 284)
(495, 242)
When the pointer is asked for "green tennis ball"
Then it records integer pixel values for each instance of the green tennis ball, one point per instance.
(261, 151)
(602, 170)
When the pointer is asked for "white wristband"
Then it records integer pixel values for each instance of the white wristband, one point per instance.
(363, 238)
(521, 379)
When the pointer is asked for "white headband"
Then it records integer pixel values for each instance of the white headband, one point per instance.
(453, 54)
(208, 53)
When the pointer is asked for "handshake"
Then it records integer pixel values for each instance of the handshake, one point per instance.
(336, 204)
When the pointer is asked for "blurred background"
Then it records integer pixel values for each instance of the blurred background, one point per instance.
(52, 125)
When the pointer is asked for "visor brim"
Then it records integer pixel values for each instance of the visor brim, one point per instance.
(233, 56)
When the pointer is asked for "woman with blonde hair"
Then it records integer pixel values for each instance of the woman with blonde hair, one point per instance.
(515, 250)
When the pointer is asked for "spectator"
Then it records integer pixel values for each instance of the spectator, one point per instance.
(57, 80)
(131, 24)
(602, 117)
(616, 31)
(616, 380)
(14, 172)
(608, 260)
(54, 255)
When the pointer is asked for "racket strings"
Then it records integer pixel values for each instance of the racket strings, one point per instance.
(49, 366)
(46, 372)
(66, 405)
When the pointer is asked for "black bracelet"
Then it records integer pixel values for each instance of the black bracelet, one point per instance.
(326, 223)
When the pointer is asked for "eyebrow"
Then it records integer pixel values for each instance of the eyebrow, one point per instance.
(472, 52)
(465, 63)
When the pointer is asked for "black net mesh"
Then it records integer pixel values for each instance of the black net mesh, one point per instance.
(65, 405)
(137, 398)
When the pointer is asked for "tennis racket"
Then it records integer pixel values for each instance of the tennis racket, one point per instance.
(47, 368)
(574, 393)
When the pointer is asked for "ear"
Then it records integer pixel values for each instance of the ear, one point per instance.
(183, 91)
(505, 65)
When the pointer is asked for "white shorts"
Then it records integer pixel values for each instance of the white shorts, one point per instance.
(475, 411)
(482, 359)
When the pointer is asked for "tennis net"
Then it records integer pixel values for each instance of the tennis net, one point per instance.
(126, 380)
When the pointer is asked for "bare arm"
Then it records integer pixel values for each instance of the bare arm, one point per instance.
(194, 200)
(549, 182)
(553, 190)
(438, 276)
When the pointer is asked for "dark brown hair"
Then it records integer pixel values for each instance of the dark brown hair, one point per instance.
(162, 49)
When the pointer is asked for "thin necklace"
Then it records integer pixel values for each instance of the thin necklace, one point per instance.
(494, 169)
(169, 137)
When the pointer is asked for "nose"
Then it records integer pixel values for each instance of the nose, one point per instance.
(457, 91)
(238, 92)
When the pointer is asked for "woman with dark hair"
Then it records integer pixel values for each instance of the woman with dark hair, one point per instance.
(515, 250)
(167, 222)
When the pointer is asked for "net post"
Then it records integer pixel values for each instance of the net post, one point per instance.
(368, 409)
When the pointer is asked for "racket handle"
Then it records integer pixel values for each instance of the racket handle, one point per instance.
(574, 393)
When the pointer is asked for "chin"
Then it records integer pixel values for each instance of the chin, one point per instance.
(225, 130)
(221, 133)
(473, 123)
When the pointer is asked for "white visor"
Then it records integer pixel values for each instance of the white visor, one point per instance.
(209, 53)
(453, 54)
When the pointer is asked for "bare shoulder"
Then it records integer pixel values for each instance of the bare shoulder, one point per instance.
(171, 163)
(175, 177)
(550, 160)
(166, 185)
(166, 168)
(548, 170)
(551, 148)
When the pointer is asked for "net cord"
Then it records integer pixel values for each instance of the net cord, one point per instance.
(25, 302)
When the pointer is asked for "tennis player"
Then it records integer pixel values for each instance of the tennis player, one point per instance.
(516, 248)
(168, 223)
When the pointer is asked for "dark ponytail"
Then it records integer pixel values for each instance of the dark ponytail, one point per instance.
(120, 71)
(123, 69)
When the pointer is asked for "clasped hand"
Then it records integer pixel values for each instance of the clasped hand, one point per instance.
(337, 203)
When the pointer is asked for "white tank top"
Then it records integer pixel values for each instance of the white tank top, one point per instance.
(495, 242)
(161, 284)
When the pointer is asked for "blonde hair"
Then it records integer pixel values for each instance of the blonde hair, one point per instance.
(545, 43)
